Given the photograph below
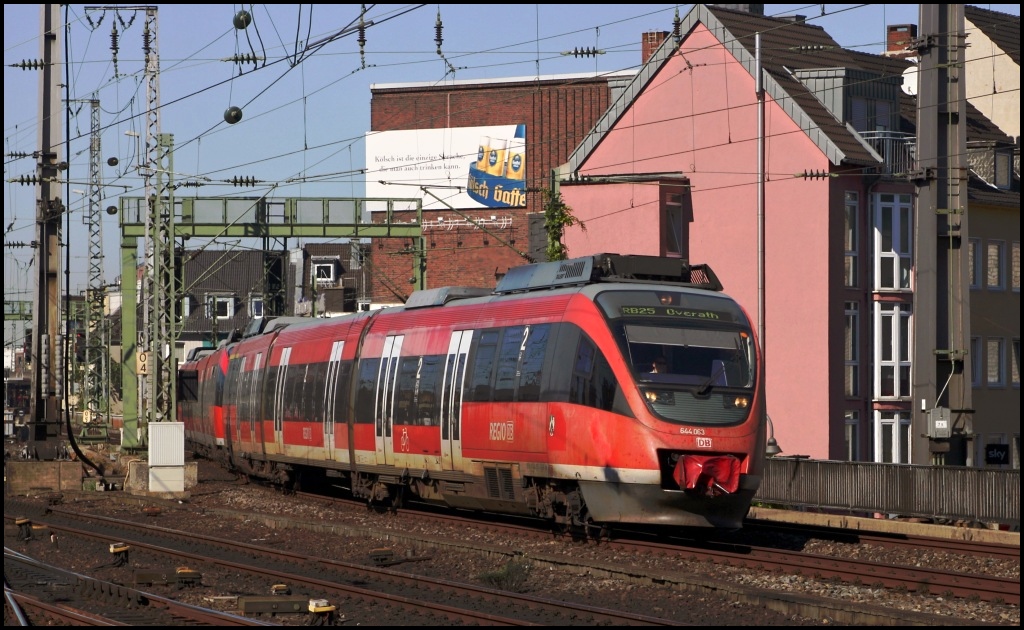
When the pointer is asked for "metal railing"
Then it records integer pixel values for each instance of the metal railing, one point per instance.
(983, 495)
(898, 150)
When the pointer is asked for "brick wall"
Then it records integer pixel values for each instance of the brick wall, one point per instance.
(558, 114)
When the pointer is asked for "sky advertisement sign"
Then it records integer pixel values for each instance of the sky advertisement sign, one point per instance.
(467, 167)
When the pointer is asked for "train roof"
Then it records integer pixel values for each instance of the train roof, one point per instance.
(578, 272)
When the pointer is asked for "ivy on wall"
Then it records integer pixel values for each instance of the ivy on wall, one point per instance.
(557, 217)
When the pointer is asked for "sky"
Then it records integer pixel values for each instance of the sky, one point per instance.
(305, 101)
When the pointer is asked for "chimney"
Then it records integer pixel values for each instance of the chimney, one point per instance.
(898, 39)
(650, 43)
(756, 9)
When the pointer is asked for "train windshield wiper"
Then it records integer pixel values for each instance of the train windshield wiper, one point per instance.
(709, 383)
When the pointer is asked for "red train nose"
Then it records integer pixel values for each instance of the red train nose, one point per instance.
(709, 475)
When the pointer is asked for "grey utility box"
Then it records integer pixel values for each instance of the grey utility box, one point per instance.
(939, 426)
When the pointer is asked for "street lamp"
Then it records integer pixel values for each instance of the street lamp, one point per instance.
(772, 448)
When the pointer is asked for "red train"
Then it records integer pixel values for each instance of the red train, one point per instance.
(538, 397)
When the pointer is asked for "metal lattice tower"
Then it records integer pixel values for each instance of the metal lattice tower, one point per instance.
(157, 334)
(94, 342)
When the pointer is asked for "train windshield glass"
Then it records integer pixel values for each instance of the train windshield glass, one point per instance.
(702, 357)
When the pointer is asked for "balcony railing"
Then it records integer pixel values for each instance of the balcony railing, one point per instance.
(898, 151)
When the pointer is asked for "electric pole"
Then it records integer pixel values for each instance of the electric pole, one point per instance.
(44, 411)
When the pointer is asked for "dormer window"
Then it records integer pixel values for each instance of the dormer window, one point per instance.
(324, 272)
(1003, 170)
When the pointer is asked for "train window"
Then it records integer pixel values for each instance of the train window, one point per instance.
(486, 342)
(366, 394)
(405, 407)
(188, 386)
(316, 384)
(341, 392)
(268, 391)
(508, 364)
(532, 363)
(294, 379)
(430, 382)
(593, 384)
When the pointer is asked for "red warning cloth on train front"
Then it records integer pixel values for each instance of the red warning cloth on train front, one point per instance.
(708, 473)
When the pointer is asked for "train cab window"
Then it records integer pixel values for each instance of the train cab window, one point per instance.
(692, 356)
(593, 383)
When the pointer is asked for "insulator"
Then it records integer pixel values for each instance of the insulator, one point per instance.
(362, 28)
(18, 154)
(677, 24)
(29, 64)
(146, 40)
(244, 181)
(438, 27)
(113, 38)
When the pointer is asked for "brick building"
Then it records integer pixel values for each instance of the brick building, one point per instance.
(468, 244)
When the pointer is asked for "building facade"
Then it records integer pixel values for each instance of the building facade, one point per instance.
(471, 238)
(807, 213)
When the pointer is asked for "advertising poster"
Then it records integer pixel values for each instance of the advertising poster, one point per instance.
(467, 167)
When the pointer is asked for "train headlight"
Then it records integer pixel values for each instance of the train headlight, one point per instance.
(652, 396)
(739, 402)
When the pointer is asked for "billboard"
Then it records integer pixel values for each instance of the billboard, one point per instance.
(467, 167)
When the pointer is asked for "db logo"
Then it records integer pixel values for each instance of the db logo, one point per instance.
(703, 442)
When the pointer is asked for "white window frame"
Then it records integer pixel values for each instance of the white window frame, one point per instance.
(995, 271)
(896, 426)
(213, 301)
(995, 362)
(256, 304)
(186, 306)
(316, 266)
(851, 237)
(1003, 163)
(893, 328)
(852, 435)
(974, 267)
(851, 349)
(894, 238)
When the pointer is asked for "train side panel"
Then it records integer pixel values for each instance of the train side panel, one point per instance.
(537, 403)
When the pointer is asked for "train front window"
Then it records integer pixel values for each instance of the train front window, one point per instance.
(701, 359)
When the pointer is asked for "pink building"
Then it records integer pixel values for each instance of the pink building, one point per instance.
(672, 168)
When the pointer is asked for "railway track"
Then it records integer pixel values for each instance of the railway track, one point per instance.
(402, 530)
(720, 549)
(43, 594)
(346, 585)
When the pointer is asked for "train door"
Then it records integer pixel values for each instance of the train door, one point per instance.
(234, 395)
(387, 378)
(331, 398)
(278, 415)
(255, 408)
(451, 399)
(241, 396)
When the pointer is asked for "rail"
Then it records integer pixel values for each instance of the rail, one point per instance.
(981, 495)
